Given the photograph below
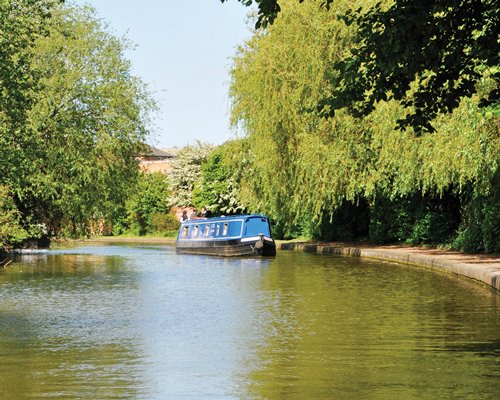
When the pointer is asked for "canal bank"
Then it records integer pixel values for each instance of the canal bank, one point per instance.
(480, 267)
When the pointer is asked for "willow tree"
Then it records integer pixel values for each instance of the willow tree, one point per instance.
(305, 166)
(448, 45)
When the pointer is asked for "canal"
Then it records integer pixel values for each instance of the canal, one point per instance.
(125, 321)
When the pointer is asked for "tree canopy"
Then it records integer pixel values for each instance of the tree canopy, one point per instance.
(304, 168)
(72, 115)
(443, 47)
(427, 54)
(186, 172)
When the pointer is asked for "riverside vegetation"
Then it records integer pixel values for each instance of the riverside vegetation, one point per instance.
(75, 118)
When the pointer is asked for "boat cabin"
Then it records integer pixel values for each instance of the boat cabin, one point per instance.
(235, 234)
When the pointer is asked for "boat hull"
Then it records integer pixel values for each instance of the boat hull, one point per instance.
(227, 248)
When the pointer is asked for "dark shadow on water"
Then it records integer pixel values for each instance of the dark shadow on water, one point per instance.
(484, 349)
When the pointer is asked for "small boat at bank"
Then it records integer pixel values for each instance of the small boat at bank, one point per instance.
(239, 235)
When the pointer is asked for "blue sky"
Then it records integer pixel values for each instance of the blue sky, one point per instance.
(183, 51)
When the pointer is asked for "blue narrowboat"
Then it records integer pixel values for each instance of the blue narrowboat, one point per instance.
(239, 235)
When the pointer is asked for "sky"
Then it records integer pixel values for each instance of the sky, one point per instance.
(183, 51)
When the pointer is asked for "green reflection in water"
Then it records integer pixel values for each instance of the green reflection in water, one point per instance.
(125, 322)
(62, 334)
(350, 329)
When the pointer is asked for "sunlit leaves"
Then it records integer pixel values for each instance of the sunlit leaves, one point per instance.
(82, 116)
(444, 45)
(186, 172)
(303, 166)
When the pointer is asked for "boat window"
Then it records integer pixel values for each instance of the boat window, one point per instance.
(185, 231)
(207, 229)
(217, 228)
(224, 230)
(195, 232)
(255, 226)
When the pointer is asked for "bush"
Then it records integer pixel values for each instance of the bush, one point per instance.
(11, 231)
(415, 219)
(150, 197)
(165, 224)
(480, 227)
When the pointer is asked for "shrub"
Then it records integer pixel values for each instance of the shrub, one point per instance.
(415, 219)
(11, 231)
(479, 230)
(164, 223)
(150, 197)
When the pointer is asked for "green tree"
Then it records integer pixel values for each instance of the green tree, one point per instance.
(148, 202)
(426, 54)
(186, 172)
(219, 184)
(445, 46)
(21, 23)
(304, 168)
(294, 175)
(84, 124)
(11, 231)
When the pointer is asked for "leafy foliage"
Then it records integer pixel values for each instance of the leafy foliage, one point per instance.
(79, 117)
(415, 219)
(11, 231)
(295, 173)
(147, 208)
(480, 225)
(165, 224)
(304, 169)
(21, 23)
(446, 45)
(219, 183)
(186, 172)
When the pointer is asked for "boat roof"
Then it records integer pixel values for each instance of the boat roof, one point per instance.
(222, 218)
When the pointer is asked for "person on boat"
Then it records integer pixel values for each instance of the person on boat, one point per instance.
(193, 215)
(184, 216)
(204, 213)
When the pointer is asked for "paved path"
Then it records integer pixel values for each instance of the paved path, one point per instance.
(481, 267)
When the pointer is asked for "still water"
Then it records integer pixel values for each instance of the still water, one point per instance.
(140, 322)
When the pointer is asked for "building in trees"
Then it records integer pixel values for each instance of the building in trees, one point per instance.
(158, 160)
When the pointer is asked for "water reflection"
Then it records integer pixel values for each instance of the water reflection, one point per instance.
(344, 328)
(140, 321)
(63, 332)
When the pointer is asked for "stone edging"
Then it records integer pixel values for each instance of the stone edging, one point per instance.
(488, 275)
